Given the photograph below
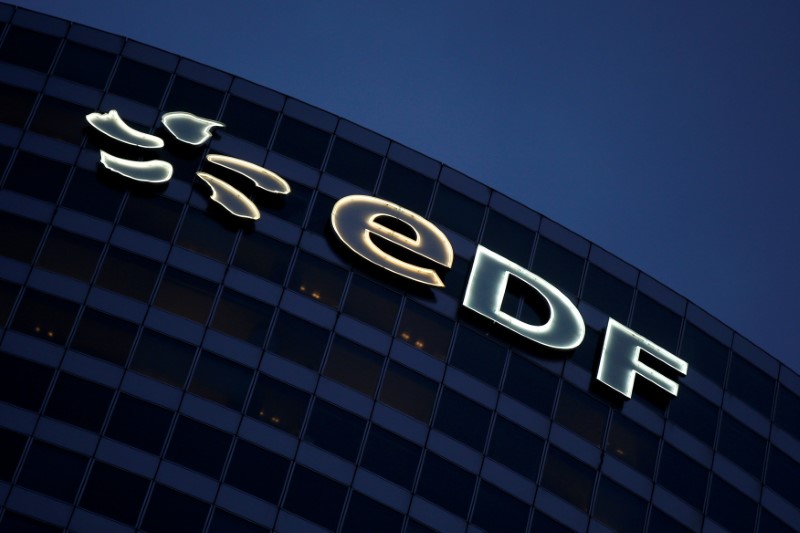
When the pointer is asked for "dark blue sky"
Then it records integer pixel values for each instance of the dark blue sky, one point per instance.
(667, 133)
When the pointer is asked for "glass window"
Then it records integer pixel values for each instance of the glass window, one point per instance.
(44, 316)
(199, 447)
(768, 522)
(372, 303)
(661, 522)
(37, 176)
(353, 365)
(22, 382)
(242, 317)
(588, 352)
(568, 478)
(425, 330)
(13, 446)
(335, 430)
(291, 207)
(783, 475)
(8, 295)
(298, 340)
(558, 265)
(457, 212)
(408, 391)
(682, 476)
(129, 274)
(44, 459)
(70, 254)
(18, 105)
(186, 295)
(85, 65)
(787, 414)
(521, 373)
(278, 404)
(405, 187)
(478, 355)
(28, 48)
(619, 508)
(302, 142)
(391, 457)
(222, 522)
(632, 444)
(60, 119)
(318, 279)
(516, 447)
(704, 354)
(730, 508)
(446, 485)
(86, 193)
(743, 446)
(544, 524)
(751, 385)
(655, 322)
(139, 423)
(496, 510)
(186, 95)
(104, 336)
(248, 120)
(21, 243)
(508, 238)
(221, 380)
(114, 493)
(79, 402)
(205, 235)
(263, 256)
(581, 413)
(354, 164)
(607, 293)
(315, 497)
(257, 471)
(320, 219)
(169, 511)
(455, 279)
(154, 216)
(462, 419)
(14, 523)
(695, 414)
(163, 358)
(365, 514)
(139, 82)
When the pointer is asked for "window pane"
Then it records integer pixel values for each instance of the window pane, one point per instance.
(205, 235)
(607, 293)
(478, 355)
(320, 219)
(372, 303)
(129, 274)
(655, 322)
(521, 373)
(462, 419)
(44, 316)
(425, 330)
(582, 414)
(186, 295)
(257, 471)
(242, 317)
(632, 444)
(783, 475)
(457, 212)
(446, 485)
(695, 414)
(682, 476)
(20, 237)
(154, 216)
(248, 120)
(8, 295)
(365, 514)
(139, 423)
(14, 523)
(278, 404)
(199, 447)
(86, 193)
(60, 119)
(221, 380)
(315, 497)
(169, 511)
(354, 164)
(508, 238)
(37, 176)
(13, 446)
(104, 336)
(743, 446)
(292, 207)
(408, 391)
(318, 279)
(558, 265)
(302, 142)
(19, 103)
(787, 414)
(22, 382)
(391, 456)
(704, 354)
(263, 256)
(44, 459)
(730, 508)
(516, 447)
(80, 402)
(114, 493)
(405, 187)
(70, 254)
(139, 82)
(751, 385)
(568, 478)
(498, 511)
(661, 522)
(298, 340)
(335, 430)
(163, 358)
(588, 352)
(85, 65)
(223, 522)
(186, 95)
(619, 508)
(28, 48)
(353, 365)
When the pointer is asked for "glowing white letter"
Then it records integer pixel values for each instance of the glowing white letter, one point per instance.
(354, 219)
(619, 362)
(564, 328)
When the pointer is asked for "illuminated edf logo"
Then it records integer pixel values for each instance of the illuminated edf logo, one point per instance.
(364, 223)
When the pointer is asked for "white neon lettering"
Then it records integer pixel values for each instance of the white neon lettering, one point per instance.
(230, 198)
(155, 171)
(263, 178)
(189, 128)
(112, 125)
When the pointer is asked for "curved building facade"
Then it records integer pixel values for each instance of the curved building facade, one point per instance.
(223, 309)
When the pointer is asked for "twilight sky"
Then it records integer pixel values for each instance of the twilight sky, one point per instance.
(666, 132)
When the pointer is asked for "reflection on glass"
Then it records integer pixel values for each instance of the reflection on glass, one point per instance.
(318, 279)
(278, 404)
(425, 330)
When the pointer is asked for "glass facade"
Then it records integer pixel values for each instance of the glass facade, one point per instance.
(165, 367)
